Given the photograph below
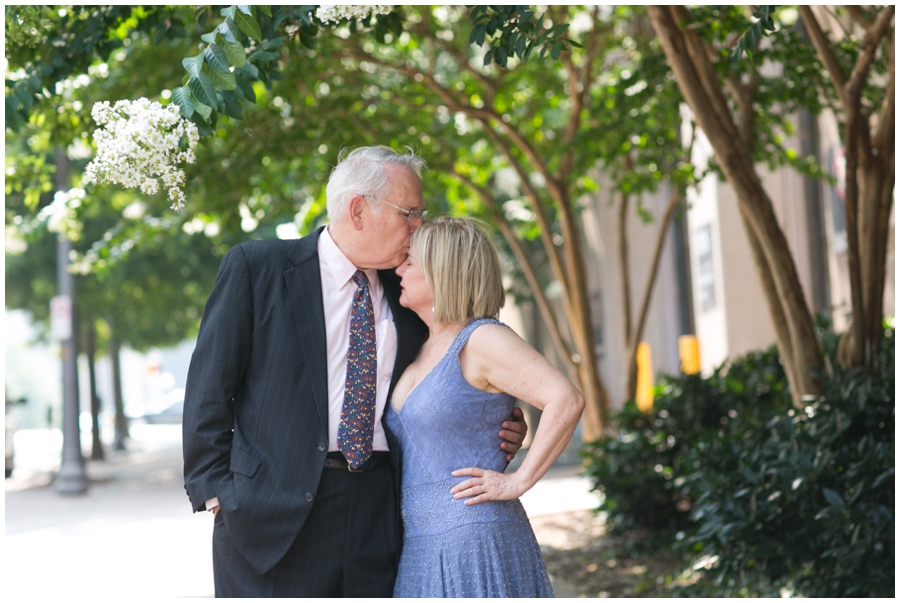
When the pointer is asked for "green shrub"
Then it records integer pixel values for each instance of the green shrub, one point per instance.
(641, 470)
(808, 501)
(766, 497)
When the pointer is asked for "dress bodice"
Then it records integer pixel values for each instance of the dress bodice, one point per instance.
(447, 424)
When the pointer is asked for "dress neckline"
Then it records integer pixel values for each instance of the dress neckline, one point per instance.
(450, 348)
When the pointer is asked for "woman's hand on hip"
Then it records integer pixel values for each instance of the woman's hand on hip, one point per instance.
(484, 485)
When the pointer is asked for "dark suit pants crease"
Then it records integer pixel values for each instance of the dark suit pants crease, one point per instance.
(348, 547)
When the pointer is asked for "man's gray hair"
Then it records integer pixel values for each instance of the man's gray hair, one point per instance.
(363, 171)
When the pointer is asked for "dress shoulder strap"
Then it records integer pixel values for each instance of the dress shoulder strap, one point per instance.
(463, 336)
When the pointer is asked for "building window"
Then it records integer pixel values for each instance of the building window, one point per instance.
(706, 273)
(837, 165)
(596, 306)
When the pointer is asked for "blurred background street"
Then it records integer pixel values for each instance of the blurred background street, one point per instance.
(132, 534)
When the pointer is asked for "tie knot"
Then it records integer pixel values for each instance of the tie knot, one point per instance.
(360, 278)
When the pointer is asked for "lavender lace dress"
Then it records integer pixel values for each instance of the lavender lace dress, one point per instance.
(449, 549)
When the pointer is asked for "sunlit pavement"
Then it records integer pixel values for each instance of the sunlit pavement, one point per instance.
(132, 534)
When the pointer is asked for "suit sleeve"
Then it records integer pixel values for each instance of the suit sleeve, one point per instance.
(216, 373)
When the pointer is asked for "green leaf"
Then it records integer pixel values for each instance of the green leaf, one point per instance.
(880, 479)
(203, 110)
(25, 97)
(229, 11)
(203, 89)
(193, 64)
(273, 43)
(266, 9)
(264, 56)
(14, 120)
(833, 497)
(557, 47)
(500, 56)
(232, 104)
(247, 88)
(249, 70)
(182, 97)
(488, 56)
(210, 37)
(222, 81)
(247, 24)
(216, 57)
(235, 53)
(228, 30)
(306, 39)
(478, 35)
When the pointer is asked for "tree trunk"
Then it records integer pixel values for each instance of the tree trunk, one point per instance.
(121, 429)
(91, 351)
(869, 182)
(596, 397)
(624, 263)
(701, 89)
(582, 365)
(637, 332)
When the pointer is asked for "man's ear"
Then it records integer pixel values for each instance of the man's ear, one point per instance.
(357, 208)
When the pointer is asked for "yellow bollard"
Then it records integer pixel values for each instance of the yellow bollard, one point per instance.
(644, 394)
(689, 351)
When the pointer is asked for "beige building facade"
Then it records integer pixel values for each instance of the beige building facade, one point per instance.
(707, 283)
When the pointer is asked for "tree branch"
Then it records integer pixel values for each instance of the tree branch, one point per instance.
(823, 48)
(869, 47)
(859, 15)
(883, 138)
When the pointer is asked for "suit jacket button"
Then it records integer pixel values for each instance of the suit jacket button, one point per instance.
(309, 497)
(322, 447)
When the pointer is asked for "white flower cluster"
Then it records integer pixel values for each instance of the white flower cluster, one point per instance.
(338, 12)
(61, 215)
(139, 144)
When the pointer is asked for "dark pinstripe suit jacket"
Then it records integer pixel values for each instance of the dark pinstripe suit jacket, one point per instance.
(255, 413)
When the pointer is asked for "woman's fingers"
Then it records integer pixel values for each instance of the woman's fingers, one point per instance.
(474, 488)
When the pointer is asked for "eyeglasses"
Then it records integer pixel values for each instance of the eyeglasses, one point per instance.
(411, 214)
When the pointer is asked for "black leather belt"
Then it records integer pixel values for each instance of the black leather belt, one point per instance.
(336, 460)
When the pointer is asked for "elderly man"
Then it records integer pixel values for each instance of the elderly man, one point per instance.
(300, 345)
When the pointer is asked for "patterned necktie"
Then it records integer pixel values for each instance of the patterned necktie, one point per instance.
(358, 412)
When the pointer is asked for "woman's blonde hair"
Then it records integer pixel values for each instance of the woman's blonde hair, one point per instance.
(461, 268)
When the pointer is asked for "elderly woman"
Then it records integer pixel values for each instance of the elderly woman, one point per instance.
(465, 531)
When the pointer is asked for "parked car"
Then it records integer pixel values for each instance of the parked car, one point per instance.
(12, 424)
(169, 415)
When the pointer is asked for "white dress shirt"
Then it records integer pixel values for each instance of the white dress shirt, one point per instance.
(338, 289)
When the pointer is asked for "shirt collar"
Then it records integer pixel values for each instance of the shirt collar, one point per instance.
(338, 266)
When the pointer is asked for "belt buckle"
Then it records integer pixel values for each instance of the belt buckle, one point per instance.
(352, 470)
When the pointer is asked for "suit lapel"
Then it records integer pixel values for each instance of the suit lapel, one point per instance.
(304, 283)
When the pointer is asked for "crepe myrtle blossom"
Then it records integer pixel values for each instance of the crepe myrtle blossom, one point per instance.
(140, 145)
(337, 12)
(61, 215)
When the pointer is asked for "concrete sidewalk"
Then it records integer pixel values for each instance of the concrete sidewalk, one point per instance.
(132, 534)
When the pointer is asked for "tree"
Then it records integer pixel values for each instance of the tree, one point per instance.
(124, 303)
(463, 90)
(866, 110)
(734, 103)
(154, 298)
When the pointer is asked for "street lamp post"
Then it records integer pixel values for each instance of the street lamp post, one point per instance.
(71, 478)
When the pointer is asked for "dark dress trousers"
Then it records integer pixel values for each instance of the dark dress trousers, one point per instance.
(255, 425)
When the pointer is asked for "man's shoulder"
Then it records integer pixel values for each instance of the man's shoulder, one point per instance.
(273, 248)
